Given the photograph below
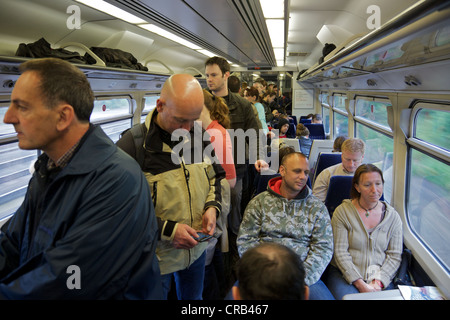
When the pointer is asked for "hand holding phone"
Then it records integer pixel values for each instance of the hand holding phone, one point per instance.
(202, 237)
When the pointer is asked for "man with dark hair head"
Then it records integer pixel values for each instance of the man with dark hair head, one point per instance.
(270, 271)
(288, 214)
(217, 71)
(86, 228)
(234, 84)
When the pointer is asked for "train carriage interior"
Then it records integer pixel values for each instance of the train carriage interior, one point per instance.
(386, 82)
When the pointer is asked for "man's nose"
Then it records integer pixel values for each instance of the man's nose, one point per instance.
(9, 116)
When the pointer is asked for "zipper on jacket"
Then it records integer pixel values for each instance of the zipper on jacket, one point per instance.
(154, 193)
(186, 177)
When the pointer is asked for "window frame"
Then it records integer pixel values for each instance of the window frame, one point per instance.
(432, 151)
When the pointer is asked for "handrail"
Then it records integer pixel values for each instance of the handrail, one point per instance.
(196, 70)
(160, 62)
(98, 61)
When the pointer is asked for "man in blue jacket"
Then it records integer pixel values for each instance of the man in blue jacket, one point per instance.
(87, 227)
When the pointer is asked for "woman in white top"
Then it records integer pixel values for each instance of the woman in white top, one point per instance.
(368, 238)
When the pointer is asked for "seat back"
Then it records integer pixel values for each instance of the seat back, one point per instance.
(263, 181)
(316, 130)
(291, 131)
(291, 142)
(338, 190)
(325, 160)
(317, 147)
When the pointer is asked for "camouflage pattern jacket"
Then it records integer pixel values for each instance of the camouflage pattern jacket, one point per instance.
(303, 224)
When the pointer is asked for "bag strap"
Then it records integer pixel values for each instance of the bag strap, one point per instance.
(138, 133)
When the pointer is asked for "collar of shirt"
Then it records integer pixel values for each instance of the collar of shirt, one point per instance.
(64, 160)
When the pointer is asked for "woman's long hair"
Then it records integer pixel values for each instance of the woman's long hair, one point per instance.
(218, 109)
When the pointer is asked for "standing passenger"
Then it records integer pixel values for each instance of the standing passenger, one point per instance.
(215, 121)
(87, 228)
(186, 194)
(217, 71)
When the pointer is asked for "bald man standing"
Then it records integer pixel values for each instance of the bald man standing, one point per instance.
(186, 194)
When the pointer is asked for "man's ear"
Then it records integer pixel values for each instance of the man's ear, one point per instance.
(236, 293)
(282, 170)
(159, 105)
(66, 115)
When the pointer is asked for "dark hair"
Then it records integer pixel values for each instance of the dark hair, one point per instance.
(253, 92)
(234, 84)
(221, 62)
(290, 154)
(338, 143)
(62, 82)
(364, 168)
(271, 271)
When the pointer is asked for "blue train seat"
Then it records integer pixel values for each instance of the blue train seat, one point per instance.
(325, 160)
(338, 190)
(316, 130)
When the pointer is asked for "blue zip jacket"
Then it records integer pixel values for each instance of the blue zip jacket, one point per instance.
(87, 231)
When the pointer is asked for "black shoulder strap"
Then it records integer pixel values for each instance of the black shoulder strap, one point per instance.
(138, 133)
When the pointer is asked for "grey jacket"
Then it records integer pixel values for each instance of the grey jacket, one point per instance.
(302, 224)
(359, 255)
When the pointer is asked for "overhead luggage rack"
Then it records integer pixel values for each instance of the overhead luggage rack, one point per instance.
(414, 37)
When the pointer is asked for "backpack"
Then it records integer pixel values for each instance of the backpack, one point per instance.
(138, 133)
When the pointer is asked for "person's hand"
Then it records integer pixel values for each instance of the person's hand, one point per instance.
(209, 221)
(184, 237)
(261, 165)
(362, 286)
(377, 285)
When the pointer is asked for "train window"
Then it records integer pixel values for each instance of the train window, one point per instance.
(340, 125)
(340, 118)
(149, 105)
(15, 174)
(373, 110)
(371, 125)
(428, 188)
(339, 102)
(432, 126)
(326, 119)
(114, 129)
(5, 129)
(113, 114)
(323, 97)
(110, 108)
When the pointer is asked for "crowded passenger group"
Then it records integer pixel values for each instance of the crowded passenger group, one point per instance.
(179, 226)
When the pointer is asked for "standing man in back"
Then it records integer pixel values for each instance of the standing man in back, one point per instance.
(217, 71)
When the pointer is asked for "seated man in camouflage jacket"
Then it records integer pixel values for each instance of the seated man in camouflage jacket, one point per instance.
(288, 213)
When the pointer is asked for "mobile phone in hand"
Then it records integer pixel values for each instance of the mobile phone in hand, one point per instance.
(202, 237)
